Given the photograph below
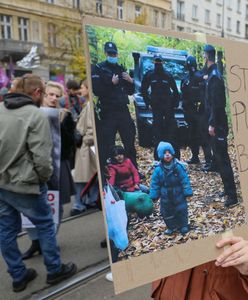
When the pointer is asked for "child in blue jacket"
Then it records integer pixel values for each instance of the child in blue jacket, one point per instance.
(170, 183)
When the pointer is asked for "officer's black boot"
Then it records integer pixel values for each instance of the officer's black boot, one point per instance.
(231, 202)
(210, 167)
(34, 248)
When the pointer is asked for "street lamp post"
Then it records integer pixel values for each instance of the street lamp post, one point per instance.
(223, 19)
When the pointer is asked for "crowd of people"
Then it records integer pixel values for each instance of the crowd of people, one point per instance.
(29, 147)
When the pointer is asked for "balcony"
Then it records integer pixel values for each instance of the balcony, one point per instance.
(17, 49)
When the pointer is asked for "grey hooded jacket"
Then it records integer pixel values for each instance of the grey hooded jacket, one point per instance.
(25, 145)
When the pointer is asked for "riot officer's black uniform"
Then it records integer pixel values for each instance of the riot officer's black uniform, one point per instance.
(192, 88)
(163, 98)
(215, 103)
(114, 115)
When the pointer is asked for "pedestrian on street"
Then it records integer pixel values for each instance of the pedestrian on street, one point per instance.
(85, 161)
(65, 185)
(25, 167)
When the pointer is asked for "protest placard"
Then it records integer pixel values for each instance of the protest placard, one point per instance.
(133, 70)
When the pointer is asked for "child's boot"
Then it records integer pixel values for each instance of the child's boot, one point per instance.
(184, 230)
(169, 231)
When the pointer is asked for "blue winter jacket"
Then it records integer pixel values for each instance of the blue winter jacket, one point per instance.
(170, 184)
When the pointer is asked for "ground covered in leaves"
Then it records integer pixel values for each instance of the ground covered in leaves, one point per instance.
(207, 214)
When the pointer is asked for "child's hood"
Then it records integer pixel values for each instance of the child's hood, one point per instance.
(164, 146)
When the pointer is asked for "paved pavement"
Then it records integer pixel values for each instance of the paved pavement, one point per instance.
(101, 289)
(79, 242)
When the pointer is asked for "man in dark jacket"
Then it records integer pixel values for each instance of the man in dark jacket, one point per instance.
(163, 98)
(112, 84)
(193, 105)
(215, 104)
(25, 167)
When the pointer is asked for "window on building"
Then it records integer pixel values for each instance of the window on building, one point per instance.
(229, 4)
(194, 12)
(155, 18)
(120, 9)
(218, 20)
(239, 6)
(76, 3)
(180, 28)
(99, 7)
(180, 10)
(6, 26)
(229, 24)
(219, 2)
(238, 27)
(207, 16)
(246, 12)
(52, 39)
(23, 29)
(137, 11)
(50, 1)
(163, 20)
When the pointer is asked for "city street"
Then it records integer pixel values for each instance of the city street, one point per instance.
(79, 241)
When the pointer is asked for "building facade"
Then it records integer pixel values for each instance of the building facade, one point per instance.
(156, 13)
(54, 26)
(225, 18)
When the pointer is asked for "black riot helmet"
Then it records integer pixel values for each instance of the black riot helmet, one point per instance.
(210, 50)
(191, 64)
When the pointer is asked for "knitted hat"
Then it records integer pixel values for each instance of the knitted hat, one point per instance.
(164, 146)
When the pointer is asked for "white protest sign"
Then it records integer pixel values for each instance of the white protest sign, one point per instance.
(53, 200)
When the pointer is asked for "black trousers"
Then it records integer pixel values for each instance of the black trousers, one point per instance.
(165, 129)
(221, 156)
(111, 123)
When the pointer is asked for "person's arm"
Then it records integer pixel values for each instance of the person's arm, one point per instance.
(216, 96)
(88, 137)
(184, 178)
(101, 81)
(155, 186)
(39, 144)
(112, 175)
(236, 255)
(135, 173)
(174, 89)
(128, 83)
(145, 84)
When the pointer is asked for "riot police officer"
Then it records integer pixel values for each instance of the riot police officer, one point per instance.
(112, 84)
(215, 103)
(159, 91)
(192, 88)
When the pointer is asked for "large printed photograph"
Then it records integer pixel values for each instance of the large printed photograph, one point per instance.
(165, 141)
